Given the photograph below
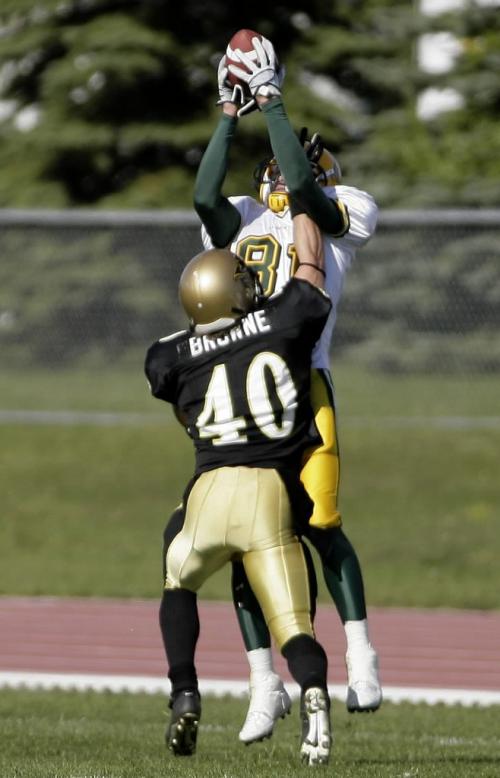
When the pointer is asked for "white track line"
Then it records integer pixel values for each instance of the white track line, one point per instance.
(156, 685)
(118, 419)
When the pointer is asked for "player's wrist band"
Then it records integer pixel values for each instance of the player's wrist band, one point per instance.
(310, 264)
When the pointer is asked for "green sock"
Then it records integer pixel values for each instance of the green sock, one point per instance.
(250, 617)
(342, 572)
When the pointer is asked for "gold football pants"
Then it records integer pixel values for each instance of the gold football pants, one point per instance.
(321, 470)
(244, 513)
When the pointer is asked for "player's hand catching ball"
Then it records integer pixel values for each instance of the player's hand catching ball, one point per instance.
(227, 92)
(262, 75)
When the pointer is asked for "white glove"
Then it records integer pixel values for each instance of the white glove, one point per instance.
(227, 92)
(233, 94)
(263, 77)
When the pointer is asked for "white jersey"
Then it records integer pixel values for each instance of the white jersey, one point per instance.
(265, 242)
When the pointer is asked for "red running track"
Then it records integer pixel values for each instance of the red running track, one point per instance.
(417, 648)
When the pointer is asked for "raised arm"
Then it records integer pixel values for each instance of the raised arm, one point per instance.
(264, 82)
(330, 214)
(220, 218)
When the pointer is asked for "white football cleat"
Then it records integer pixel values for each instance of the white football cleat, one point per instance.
(269, 701)
(364, 692)
(316, 733)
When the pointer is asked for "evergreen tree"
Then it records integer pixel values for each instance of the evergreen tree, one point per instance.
(465, 159)
(111, 102)
(452, 159)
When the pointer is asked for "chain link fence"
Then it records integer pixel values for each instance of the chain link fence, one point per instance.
(96, 288)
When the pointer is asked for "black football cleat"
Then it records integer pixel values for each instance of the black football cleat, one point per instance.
(182, 730)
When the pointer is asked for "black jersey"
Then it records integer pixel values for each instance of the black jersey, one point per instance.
(244, 392)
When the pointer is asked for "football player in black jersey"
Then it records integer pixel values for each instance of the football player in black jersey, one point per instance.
(239, 379)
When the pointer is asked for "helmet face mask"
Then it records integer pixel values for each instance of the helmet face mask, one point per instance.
(266, 178)
(325, 167)
(216, 289)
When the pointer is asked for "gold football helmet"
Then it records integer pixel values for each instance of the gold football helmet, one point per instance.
(217, 288)
(325, 167)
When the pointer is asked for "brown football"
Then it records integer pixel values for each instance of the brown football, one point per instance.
(243, 39)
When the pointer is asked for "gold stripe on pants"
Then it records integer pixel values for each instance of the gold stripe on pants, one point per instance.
(244, 512)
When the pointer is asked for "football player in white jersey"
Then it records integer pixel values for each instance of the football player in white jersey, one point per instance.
(260, 231)
(264, 238)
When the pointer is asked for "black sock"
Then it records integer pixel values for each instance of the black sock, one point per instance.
(307, 662)
(180, 628)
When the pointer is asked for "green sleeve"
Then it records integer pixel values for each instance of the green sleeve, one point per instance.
(220, 218)
(330, 215)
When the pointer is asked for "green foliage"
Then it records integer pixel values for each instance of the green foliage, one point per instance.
(424, 303)
(75, 300)
(109, 97)
(418, 299)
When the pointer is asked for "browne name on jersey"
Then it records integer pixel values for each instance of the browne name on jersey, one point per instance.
(252, 324)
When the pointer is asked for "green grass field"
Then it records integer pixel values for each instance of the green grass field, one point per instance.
(84, 506)
(83, 512)
(90, 735)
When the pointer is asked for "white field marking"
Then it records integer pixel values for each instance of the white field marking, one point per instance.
(85, 418)
(118, 419)
(157, 685)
